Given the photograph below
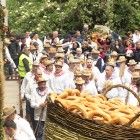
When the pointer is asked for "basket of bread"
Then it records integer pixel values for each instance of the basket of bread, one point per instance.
(75, 116)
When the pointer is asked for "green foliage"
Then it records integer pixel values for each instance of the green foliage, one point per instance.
(124, 16)
(45, 16)
(1, 21)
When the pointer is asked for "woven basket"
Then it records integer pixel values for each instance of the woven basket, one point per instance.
(62, 124)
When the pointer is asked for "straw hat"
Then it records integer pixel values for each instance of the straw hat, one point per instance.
(32, 47)
(36, 63)
(82, 61)
(71, 60)
(114, 53)
(78, 73)
(60, 50)
(59, 44)
(137, 67)
(59, 63)
(43, 56)
(135, 75)
(48, 62)
(94, 51)
(121, 59)
(47, 45)
(70, 56)
(79, 81)
(58, 55)
(132, 62)
(86, 73)
(7, 111)
(52, 50)
(112, 63)
(41, 79)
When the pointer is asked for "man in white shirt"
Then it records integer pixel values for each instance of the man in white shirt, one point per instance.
(39, 103)
(52, 53)
(47, 47)
(36, 39)
(60, 57)
(79, 82)
(49, 69)
(11, 130)
(32, 84)
(9, 114)
(59, 81)
(136, 36)
(135, 84)
(90, 67)
(70, 72)
(97, 60)
(29, 76)
(33, 54)
(78, 65)
(11, 63)
(28, 39)
(108, 75)
(43, 60)
(89, 86)
(128, 71)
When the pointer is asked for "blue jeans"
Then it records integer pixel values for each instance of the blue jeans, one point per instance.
(39, 134)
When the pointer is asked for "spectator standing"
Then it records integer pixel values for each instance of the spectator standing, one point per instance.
(25, 63)
(36, 39)
(118, 47)
(97, 60)
(28, 39)
(14, 50)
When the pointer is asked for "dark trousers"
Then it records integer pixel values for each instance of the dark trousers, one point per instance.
(9, 69)
(30, 113)
(39, 134)
(16, 61)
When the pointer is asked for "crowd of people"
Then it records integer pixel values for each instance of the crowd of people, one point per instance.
(89, 63)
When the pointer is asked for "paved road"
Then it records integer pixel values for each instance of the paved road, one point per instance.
(11, 97)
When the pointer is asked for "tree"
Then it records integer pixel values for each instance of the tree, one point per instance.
(45, 16)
